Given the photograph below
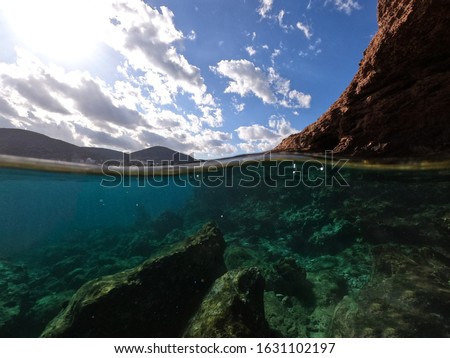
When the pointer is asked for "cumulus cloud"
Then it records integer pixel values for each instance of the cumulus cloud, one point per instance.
(118, 140)
(43, 94)
(35, 90)
(6, 108)
(152, 139)
(4, 123)
(148, 39)
(81, 109)
(305, 29)
(346, 6)
(271, 88)
(245, 78)
(238, 106)
(260, 138)
(297, 100)
(250, 50)
(192, 35)
(255, 132)
(265, 7)
(140, 103)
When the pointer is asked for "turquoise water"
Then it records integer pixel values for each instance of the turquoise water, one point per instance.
(352, 250)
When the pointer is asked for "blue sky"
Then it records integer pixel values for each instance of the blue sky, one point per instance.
(211, 77)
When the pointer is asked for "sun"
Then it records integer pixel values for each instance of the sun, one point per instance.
(61, 30)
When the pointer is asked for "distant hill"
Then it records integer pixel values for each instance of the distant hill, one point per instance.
(159, 154)
(30, 144)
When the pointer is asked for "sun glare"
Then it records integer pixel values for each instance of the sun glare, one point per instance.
(66, 31)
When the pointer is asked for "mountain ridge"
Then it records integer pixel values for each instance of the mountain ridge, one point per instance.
(25, 143)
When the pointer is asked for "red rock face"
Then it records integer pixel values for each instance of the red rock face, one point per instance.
(398, 103)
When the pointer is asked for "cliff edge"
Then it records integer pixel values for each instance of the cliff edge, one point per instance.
(398, 103)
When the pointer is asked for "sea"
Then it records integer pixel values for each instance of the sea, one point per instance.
(348, 248)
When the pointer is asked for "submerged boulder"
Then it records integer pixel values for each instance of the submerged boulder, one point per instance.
(234, 308)
(409, 296)
(291, 279)
(14, 292)
(154, 299)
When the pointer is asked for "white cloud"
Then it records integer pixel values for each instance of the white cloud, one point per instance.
(297, 100)
(276, 52)
(260, 138)
(315, 47)
(265, 7)
(289, 98)
(280, 18)
(281, 126)
(192, 35)
(346, 6)
(138, 106)
(238, 107)
(250, 50)
(245, 78)
(281, 85)
(255, 132)
(270, 87)
(147, 38)
(40, 97)
(264, 11)
(305, 29)
(81, 109)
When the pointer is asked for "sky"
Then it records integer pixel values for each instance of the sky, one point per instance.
(213, 78)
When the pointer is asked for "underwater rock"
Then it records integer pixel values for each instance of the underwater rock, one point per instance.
(408, 297)
(234, 308)
(332, 238)
(237, 257)
(140, 245)
(14, 292)
(290, 279)
(329, 287)
(43, 310)
(154, 299)
(173, 237)
(66, 265)
(398, 103)
(316, 232)
(285, 315)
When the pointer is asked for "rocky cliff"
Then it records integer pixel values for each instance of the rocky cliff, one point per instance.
(398, 103)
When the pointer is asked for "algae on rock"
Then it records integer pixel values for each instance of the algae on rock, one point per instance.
(234, 308)
(155, 299)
